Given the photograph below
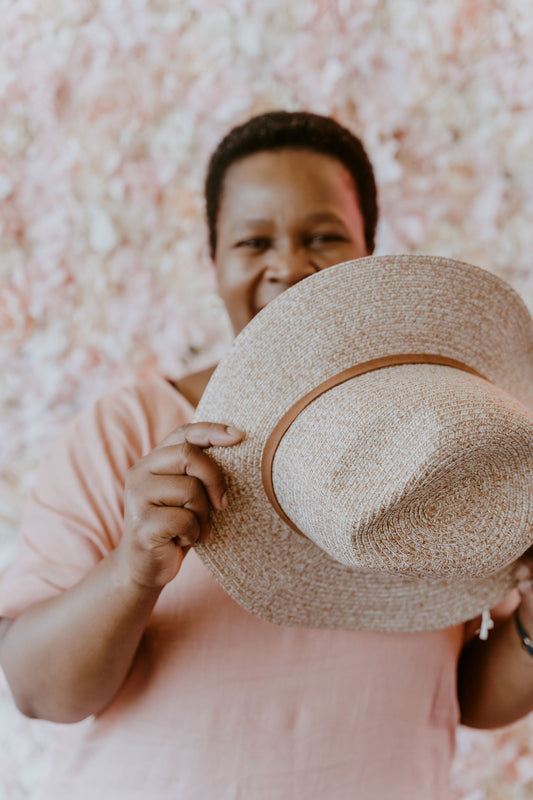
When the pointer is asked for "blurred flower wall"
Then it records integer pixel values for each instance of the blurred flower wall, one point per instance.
(108, 113)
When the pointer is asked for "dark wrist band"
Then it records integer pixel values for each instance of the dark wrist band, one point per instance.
(527, 643)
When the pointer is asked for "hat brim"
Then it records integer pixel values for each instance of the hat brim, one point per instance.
(351, 313)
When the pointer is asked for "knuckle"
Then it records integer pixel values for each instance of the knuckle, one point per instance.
(189, 528)
(188, 451)
(190, 522)
(138, 471)
(194, 496)
(190, 427)
(131, 475)
(191, 487)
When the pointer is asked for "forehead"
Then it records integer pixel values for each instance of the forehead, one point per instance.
(295, 179)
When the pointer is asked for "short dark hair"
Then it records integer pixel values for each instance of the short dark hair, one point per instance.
(302, 131)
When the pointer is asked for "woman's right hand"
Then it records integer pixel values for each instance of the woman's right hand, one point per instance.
(168, 493)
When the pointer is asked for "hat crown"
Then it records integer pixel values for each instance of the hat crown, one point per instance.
(416, 470)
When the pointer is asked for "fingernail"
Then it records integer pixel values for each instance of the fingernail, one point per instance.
(521, 572)
(233, 431)
(525, 586)
(224, 501)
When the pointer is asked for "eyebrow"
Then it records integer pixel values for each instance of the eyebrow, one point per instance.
(251, 223)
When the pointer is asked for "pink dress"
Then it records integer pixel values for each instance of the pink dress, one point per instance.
(220, 704)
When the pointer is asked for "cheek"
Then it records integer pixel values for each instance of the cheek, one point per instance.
(237, 286)
(344, 252)
(350, 251)
(234, 279)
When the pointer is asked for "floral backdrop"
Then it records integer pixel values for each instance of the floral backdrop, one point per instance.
(108, 113)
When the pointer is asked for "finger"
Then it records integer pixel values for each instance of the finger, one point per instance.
(183, 491)
(204, 434)
(169, 524)
(185, 459)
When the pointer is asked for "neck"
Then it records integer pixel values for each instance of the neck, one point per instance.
(192, 386)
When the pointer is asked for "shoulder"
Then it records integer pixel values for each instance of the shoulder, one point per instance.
(135, 418)
(88, 463)
(75, 508)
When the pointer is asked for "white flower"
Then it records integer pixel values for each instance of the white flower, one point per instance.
(102, 234)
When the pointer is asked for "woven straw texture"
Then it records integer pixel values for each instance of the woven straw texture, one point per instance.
(424, 495)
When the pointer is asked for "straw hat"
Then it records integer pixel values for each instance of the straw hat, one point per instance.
(386, 478)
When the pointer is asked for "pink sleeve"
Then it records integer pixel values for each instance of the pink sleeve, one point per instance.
(73, 516)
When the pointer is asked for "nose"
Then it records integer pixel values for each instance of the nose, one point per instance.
(288, 265)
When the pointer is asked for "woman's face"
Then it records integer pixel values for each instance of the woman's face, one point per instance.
(283, 216)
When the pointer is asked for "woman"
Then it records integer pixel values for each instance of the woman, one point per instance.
(103, 615)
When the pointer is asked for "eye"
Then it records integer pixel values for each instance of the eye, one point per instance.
(318, 240)
(257, 243)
